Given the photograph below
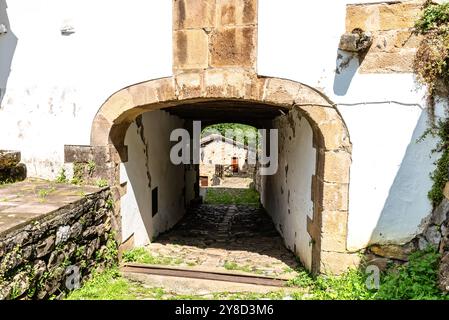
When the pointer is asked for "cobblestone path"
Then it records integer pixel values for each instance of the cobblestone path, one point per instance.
(232, 237)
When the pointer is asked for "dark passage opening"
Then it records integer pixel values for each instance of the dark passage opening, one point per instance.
(154, 201)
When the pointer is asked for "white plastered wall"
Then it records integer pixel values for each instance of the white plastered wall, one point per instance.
(384, 113)
(52, 85)
(287, 195)
(149, 166)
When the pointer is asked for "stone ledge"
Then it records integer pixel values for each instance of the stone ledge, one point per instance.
(9, 158)
(49, 238)
(35, 199)
(97, 154)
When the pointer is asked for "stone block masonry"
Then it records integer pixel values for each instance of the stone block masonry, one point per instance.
(391, 26)
(214, 34)
(10, 167)
(51, 245)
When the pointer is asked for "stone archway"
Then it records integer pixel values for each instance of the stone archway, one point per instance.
(330, 184)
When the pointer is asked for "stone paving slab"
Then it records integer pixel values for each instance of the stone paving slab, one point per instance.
(32, 199)
(222, 237)
(200, 287)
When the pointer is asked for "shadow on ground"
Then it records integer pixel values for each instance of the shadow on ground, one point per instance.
(237, 237)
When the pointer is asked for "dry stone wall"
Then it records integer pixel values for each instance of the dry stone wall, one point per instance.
(434, 232)
(48, 256)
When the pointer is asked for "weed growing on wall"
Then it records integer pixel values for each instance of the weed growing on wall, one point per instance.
(441, 174)
(431, 64)
(62, 177)
(431, 67)
(418, 279)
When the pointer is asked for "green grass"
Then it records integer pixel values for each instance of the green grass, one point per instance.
(142, 255)
(103, 286)
(231, 265)
(416, 279)
(6, 182)
(231, 196)
(44, 193)
(101, 183)
(109, 285)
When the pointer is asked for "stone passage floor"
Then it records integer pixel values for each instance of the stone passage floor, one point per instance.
(231, 237)
(26, 201)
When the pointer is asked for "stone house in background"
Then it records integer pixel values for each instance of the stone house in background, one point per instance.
(223, 157)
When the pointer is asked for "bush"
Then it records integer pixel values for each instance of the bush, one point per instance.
(417, 279)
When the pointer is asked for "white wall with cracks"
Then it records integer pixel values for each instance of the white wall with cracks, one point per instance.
(57, 82)
(384, 113)
(287, 195)
(149, 167)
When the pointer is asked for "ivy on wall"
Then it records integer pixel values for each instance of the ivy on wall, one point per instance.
(431, 66)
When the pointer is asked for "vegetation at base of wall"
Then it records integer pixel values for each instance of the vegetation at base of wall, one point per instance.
(78, 172)
(418, 279)
(109, 285)
(91, 165)
(348, 286)
(110, 254)
(231, 196)
(142, 255)
(4, 182)
(61, 177)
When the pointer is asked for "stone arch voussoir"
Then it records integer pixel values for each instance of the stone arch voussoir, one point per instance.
(330, 185)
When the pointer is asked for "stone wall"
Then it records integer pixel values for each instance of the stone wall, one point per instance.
(390, 25)
(214, 34)
(11, 169)
(220, 152)
(434, 231)
(54, 253)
